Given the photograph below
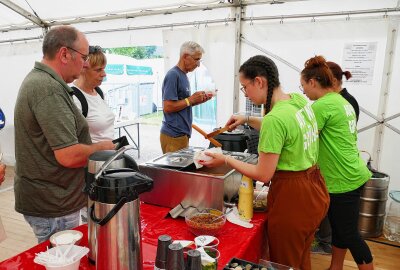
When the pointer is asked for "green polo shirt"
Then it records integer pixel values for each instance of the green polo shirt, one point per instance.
(339, 159)
(46, 119)
(290, 130)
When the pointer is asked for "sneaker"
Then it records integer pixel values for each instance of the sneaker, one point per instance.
(321, 249)
(326, 247)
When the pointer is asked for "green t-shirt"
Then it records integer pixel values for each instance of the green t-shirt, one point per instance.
(339, 159)
(290, 129)
(46, 119)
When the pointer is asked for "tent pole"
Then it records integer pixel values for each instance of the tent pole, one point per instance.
(238, 44)
(383, 100)
(31, 17)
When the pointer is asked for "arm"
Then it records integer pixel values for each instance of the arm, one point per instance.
(170, 106)
(2, 173)
(77, 155)
(262, 171)
(236, 120)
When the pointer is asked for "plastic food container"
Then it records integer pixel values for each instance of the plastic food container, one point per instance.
(235, 262)
(204, 223)
(66, 237)
(260, 200)
(209, 258)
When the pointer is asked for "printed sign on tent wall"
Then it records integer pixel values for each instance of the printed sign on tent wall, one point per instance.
(359, 59)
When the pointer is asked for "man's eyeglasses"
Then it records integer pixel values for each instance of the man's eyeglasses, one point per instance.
(197, 60)
(85, 57)
(95, 49)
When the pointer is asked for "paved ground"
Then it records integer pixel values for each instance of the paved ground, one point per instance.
(149, 142)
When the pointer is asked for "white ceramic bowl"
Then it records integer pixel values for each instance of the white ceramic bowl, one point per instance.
(66, 237)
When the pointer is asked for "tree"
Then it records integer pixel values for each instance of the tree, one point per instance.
(139, 52)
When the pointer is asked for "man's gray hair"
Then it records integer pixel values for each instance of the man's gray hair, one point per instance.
(57, 37)
(190, 47)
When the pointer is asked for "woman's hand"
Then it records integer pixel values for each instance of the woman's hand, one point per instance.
(235, 120)
(218, 160)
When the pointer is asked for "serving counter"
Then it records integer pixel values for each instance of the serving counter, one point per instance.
(235, 241)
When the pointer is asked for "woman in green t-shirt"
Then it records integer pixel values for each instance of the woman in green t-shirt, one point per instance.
(342, 167)
(288, 152)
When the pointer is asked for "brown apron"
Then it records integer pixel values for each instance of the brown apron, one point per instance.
(297, 203)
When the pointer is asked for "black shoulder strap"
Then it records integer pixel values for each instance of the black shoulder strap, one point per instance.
(99, 91)
(82, 100)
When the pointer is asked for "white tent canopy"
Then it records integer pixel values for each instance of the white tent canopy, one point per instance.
(230, 31)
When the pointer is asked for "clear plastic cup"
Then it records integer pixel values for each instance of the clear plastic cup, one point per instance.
(209, 261)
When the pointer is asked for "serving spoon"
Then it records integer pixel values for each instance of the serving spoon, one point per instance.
(221, 216)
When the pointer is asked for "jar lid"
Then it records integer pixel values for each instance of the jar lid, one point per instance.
(395, 195)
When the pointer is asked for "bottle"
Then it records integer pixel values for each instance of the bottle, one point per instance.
(245, 205)
(162, 250)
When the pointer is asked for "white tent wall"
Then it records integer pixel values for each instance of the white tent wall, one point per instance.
(16, 61)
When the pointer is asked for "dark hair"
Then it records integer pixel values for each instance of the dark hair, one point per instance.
(260, 65)
(317, 68)
(338, 72)
(57, 37)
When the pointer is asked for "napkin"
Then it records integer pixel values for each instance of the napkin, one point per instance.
(200, 155)
(233, 217)
(184, 243)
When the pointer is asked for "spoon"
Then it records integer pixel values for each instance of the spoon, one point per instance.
(261, 191)
(221, 216)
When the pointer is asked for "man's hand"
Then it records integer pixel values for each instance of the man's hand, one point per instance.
(2, 173)
(199, 97)
(76, 156)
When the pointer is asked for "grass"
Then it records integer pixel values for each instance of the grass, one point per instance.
(152, 118)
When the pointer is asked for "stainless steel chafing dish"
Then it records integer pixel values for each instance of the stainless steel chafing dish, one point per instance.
(178, 182)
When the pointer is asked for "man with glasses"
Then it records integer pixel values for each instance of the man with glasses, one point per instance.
(52, 141)
(176, 126)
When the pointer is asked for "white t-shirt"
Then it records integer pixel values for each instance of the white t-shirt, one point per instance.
(100, 118)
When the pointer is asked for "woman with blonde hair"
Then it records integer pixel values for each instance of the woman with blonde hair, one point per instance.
(90, 99)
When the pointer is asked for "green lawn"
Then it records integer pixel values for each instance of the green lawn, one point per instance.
(152, 118)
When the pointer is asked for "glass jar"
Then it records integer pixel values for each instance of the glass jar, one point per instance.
(391, 229)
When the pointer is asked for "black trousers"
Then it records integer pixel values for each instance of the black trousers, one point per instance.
(343, 215)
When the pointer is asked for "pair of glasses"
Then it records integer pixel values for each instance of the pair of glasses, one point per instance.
(95, 49)
(301, 88)
(85, 57)
(197, 60)
(243, 88)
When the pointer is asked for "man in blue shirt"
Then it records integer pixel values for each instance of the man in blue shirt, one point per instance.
(176, 126)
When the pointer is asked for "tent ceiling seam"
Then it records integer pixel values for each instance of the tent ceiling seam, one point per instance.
(115, 16)
(133, 28)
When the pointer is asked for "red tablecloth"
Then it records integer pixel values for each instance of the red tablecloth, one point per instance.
(235, 241)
